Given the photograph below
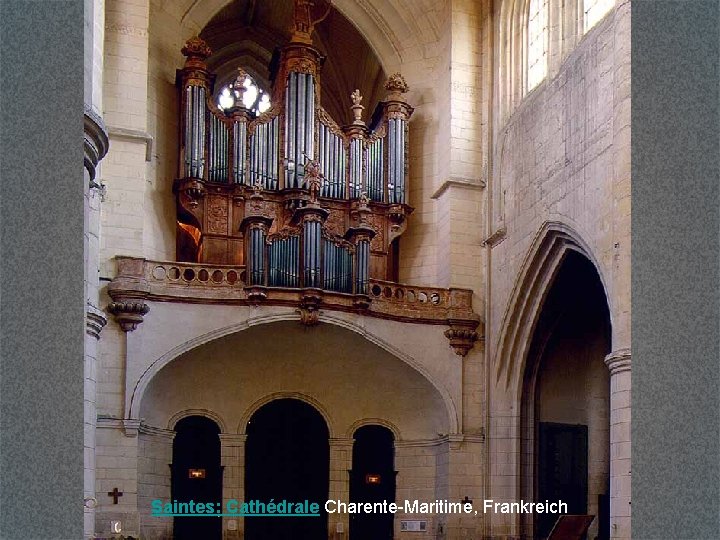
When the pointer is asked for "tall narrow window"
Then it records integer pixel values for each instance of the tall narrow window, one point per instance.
(594, 11)
(537, 30)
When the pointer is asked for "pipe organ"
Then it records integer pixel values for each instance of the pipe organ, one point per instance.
(292, 196)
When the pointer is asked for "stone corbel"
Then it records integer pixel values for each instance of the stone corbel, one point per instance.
(128, 292)
(466, 327)
(397, 214)
(462, 335)
(309, 309)
(129, 313)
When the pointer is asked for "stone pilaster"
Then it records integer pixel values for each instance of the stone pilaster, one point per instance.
(619, 364)
(155, 453)
(116, 463)
(340, 465)
(232, 459)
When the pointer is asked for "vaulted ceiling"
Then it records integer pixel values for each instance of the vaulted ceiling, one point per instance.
(246, 32)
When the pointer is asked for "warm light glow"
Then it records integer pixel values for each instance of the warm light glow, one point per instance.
(194, 232)
(372, 478)
(595, 10)
(196, 473)
(537, 43)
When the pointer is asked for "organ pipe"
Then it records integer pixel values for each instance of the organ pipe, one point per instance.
(231, 147)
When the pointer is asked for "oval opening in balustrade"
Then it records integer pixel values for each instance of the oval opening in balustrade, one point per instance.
(159, 273)
(399, 293)
(376, 290)
(174, 273)
(217, 276)
(243, 276)
(232, 277)
(387, 292)
(411, 296)
(422, 297)
(189, 274)
(435, 298)
(203, 275)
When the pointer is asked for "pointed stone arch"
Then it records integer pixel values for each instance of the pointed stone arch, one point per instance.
(549, 248)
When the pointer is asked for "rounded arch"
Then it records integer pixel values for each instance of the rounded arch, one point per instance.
(373, 422)
(378, 33)
(542, 262)
(133, 408)
(260, 403)
(175, 418)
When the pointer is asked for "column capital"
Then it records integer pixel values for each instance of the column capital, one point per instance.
(341, 441)
(95, 320)
(618, 361)
(232, 439)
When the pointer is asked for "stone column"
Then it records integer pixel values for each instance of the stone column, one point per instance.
(95, 147)
(618, 362)
(232, 459)
(340, 464)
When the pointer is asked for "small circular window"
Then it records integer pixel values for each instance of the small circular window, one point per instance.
(244, 89)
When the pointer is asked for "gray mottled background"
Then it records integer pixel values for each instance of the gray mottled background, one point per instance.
(41, 278)
(676, 404)
(675, 368)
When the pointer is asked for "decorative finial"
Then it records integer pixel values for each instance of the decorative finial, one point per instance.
(304, 22)
(195, 47)
(239, 83)
(396, 86)
(357, 109)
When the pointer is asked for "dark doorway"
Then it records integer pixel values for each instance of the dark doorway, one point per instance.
(563, 470)
(196, 475)
(287, 457)
(372, 479)
(566, 424)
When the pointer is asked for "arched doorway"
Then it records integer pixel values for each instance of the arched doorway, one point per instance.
(196, 475)
(566, 426)
(287, 458)
(372, 479)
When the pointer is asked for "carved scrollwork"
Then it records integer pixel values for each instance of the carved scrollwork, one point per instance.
(309, 309)
(377, 223)
(217, 216)
(338, 240)
(327, 120)
(284, 234)
(264, 118)
(335, 223)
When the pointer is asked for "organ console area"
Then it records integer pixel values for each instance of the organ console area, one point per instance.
(297, 199)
